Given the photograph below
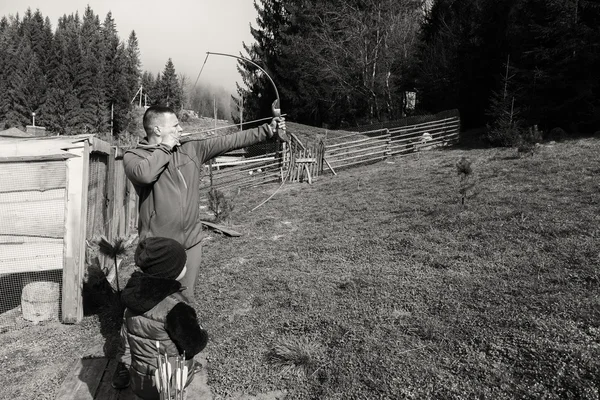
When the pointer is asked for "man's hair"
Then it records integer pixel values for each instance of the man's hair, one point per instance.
(152, 114)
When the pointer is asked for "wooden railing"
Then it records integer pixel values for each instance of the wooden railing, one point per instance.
(296, 162)
(358, 148)
(248, 172)
(408, 139)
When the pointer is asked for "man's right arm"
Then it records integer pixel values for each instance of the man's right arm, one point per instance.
(145, 170)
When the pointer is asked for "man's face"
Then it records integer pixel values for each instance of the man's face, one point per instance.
(170, 126)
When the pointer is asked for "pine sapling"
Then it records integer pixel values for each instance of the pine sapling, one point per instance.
(504, 126)
(219, 204)
(465, 172)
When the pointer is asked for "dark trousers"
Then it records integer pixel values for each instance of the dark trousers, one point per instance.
(194, 257)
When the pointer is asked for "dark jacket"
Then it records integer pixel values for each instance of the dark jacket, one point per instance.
(167, 182)
(157, 311)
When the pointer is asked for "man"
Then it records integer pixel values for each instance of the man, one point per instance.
(165, 171)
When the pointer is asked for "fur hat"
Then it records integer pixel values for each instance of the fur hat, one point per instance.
(160, 257)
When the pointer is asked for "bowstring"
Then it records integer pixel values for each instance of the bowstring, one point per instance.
(201, 69)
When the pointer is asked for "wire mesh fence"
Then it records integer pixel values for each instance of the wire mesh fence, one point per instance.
(32, 205)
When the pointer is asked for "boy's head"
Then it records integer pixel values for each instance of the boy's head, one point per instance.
(161, 257)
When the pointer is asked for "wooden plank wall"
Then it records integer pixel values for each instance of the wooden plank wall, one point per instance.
(97, 196)
(121, 199)
(55, 194)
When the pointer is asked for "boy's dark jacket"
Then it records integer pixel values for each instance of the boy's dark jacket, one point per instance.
(167, 182)
(158, 311)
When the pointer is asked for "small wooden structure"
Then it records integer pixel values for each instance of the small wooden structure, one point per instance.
(56, 192)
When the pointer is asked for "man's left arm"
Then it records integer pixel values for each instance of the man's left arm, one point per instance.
(210, 148)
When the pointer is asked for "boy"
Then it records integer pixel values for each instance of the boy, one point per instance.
(156, 310)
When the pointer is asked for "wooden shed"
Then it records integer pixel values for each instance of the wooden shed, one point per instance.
(56, 192)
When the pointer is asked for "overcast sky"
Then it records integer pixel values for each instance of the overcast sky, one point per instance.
(183, 30)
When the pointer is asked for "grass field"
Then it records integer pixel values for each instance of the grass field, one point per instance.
(377, 283)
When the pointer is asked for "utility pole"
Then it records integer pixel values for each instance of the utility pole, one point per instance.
(242, 113)
(210, 165)
(112, 115)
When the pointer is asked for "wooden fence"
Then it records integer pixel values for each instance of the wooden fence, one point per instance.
(244, 173)
(303, 163)
(295, 162)
(408, 139)
(358, 148)
(372, 146)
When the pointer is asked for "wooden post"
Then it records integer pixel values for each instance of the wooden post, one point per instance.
(75, 228)
(388, 149)
(109, 204)
(130, 206)
(110, 194)
(329, 165)
(284, 165)
(320, 156)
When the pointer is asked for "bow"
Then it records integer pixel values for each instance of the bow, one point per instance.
(276, 105)
(275, 108)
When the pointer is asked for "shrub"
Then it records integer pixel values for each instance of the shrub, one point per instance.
(527, 141)
(503, 134)
(219, 204)
(299, 356)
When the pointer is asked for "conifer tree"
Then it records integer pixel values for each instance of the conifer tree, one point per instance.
(150, 89)
(9, 41)
(17, 111)
(37, 32)
(133, 64)
(112, 69)
(34, 83)
(170, 92)
(256, 90)
(504, 126)
(121, 102)
(61, 111)
(91, 86)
